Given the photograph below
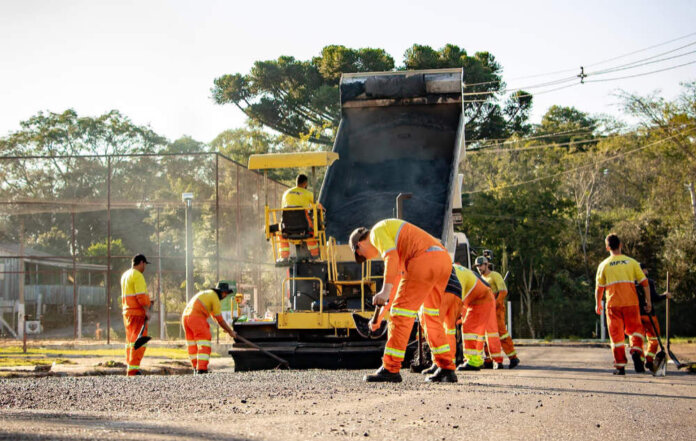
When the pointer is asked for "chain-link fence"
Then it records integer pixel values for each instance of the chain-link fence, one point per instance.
(69, 227)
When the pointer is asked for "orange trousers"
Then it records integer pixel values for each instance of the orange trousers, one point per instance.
(651, 336)
(624, 320)
(451, 312)
(503, 334)
(133, 325)
(198, 339)
(284, 245)
(423, 283)
(479, 325)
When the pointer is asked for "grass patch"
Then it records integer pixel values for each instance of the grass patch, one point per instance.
(173, 353)
(20, 361)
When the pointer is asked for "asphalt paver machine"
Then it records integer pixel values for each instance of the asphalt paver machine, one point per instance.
(401, 133)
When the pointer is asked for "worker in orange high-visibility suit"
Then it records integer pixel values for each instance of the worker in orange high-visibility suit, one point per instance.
(499, 289)
(195, 322)
(646, 317)
(298, 197)
(136, 311)
(477, 311)
(426, 269)
(617, 275)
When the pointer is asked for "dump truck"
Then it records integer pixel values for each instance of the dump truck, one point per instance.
(401, 136)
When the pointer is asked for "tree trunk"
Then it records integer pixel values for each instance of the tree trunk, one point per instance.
(527, 280)
(690, 187)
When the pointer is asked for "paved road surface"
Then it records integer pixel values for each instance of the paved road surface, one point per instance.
(557, 393)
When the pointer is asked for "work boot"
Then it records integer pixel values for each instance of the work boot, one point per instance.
(201, 371)
(283, 261)
(442, 376)
(620, 371)
(467, 367)
(514, 362)
(638, 363)
(383, 376)
(430, 370)
(650, 366)
(488, 364)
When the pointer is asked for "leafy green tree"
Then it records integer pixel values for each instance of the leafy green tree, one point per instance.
(567, 125)
(301, 98)
(484, 88)
(298, 98)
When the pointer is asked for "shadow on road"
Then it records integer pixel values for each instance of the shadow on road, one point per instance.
(58, 422)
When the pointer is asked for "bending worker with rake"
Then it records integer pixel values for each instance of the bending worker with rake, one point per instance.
(195, 322)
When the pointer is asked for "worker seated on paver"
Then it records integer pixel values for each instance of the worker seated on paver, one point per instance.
(416, 270)
(298, 197)
(195, 322)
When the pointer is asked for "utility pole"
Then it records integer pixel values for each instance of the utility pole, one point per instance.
(21, 316)
(188, 201)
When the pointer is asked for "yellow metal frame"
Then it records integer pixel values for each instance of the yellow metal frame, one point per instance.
(272, 216)
(291, 160)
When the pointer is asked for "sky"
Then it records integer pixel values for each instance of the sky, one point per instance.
(155, 61)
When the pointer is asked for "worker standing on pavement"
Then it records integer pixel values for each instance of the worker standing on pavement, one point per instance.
(298, 197)
(618, 275)
(471, 299)
(426, 268)
(646, 317)
(499, 289)
(135, 302)
(195, 322)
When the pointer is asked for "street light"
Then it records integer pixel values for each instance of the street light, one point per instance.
(187, 198)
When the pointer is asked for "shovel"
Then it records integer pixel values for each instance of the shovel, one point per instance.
(362, 325)
(142, 339)
(660, 362)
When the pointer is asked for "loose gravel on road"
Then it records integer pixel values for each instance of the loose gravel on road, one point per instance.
(556, 393)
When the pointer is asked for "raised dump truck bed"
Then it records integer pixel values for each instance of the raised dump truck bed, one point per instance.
(400, 132)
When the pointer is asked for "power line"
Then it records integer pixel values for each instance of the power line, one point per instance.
(638, 63)
(528, 138)
(524, 95)
(541, 146)
(641, 50)
(597, 63)
(641, 74)
(619, 155)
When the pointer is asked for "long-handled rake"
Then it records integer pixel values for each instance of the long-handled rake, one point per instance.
(674, 358)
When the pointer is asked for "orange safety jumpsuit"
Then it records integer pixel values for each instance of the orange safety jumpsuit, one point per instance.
(651, 336)
(616, 276)
(134, 300)
(478, 310)
(499, 289)
(645, 319)
(195, 322)
(297, 197)
(426, 269)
